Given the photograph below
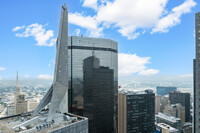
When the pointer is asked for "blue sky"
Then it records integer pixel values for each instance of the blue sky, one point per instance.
(156, 37)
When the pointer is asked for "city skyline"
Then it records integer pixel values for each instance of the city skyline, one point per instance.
(147, 55)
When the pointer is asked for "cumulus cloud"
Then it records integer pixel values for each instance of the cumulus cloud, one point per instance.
(42, 36)
(173, 18)
(90, 4)
(131, 64)
(131, 17)
(46, 77)
(88, 22)
(2, 68)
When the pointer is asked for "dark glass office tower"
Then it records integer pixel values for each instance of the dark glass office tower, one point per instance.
(196, 91)
(98, 96)
(80, 48)
(183, 99)
(136, 112)
(162, 90)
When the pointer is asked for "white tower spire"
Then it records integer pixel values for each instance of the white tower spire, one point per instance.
(17, 87)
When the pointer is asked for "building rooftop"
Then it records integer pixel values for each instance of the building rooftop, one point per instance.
(135, 92)
(168, 117)
(25, 123)
(165, 126)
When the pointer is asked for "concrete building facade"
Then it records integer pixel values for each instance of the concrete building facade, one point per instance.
(196, 91)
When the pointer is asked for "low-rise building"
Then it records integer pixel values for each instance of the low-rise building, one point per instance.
(164, 128)
(169, 120)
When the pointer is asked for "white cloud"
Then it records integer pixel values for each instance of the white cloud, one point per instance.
(0, 78)
(42, 36)
(2, 68)
(18, 28)
(131, 64)
(173, 18)
(88, 22)
(77, 31)
(90, 4)
(46, 77)
(131, 17)
(190, 75)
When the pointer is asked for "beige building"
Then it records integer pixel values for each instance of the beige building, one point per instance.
(157, 104)
(20, 102)
(164, 101)
(176, 110)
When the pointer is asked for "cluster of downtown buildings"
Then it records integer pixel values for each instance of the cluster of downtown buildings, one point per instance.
(96, 106)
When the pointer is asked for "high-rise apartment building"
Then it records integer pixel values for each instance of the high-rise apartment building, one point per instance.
(79, 49)
(162, 90)
(157, 104)
(98, 96)
(136, 112)
(196, 91)
(183, 99)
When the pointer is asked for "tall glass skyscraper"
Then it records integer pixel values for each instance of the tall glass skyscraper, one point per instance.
(79, 49)
(196, 106)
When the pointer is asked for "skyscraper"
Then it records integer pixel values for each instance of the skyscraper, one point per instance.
(136, 112)
(196, 92)
(183, 99)
(98, 96)
(80, 48)
(20, 102)
(162, 90)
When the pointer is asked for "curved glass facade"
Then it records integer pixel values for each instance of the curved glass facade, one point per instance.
(79, 49)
